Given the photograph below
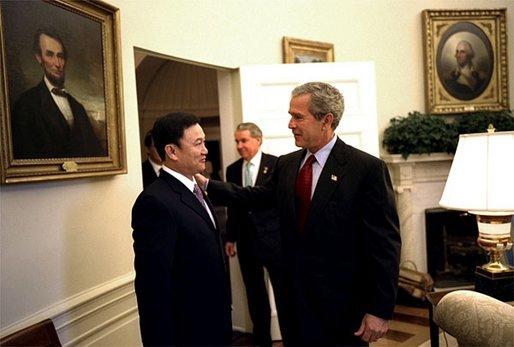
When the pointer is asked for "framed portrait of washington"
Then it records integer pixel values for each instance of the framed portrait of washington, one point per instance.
(305, 51)
(60, 97)
(465, 56)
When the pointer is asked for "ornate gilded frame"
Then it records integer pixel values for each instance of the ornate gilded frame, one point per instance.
(88, 29)
(483, 85)
(304, 51)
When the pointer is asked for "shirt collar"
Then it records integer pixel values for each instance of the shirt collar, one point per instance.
(322, 154)
(156, 167)
(50, 86)
(256, 160)
(190, 184)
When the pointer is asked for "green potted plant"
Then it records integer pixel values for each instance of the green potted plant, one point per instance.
(419, 133)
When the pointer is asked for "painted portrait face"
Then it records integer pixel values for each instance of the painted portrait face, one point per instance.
(52, 59)
(307, 130)
(247, 146)
(462, 53)
(191, 155)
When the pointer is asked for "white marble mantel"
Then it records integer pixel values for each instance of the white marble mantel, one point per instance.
(418, 182)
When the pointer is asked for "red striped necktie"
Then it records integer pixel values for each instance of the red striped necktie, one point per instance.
(304, 190)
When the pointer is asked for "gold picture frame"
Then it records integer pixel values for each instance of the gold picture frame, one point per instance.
(304, 51)
(49, 133)
(465, 55)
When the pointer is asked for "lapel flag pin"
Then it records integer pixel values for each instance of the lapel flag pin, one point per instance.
(333, 178)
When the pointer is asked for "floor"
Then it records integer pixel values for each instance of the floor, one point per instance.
(409, 327)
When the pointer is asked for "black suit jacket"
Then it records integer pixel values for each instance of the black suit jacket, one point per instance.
(255, 229)
(345, 262)
(182, 286)
(40, 130)
(149, 174)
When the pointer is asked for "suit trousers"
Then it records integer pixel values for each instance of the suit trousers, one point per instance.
(252, 270)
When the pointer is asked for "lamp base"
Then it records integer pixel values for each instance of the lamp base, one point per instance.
(499, 285)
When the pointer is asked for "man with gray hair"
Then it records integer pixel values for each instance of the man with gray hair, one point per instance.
(256, 233)
(339, 227)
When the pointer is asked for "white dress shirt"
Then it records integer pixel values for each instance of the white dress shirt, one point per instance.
(62, 103)
(321, 158)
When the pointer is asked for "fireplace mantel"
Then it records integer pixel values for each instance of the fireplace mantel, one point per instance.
(418, 183)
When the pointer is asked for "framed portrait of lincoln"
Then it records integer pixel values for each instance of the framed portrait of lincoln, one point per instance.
(465, 60)
(61, 99)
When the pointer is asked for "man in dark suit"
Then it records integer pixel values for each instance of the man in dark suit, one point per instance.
(256, 232)
(182, 285)
(47, 122)
(153, 163)
(339, 225)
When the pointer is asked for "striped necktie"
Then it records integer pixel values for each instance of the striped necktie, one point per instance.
(304, 190)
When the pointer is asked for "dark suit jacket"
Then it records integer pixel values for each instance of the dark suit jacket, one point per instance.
(149, 174)
(40, 130)
(345, 262)
(255, 229)
(182, 285)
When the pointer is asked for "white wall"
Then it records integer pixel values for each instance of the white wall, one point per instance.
(62, 238)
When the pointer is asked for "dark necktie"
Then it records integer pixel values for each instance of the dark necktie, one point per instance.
(304, 190)
(60, 92)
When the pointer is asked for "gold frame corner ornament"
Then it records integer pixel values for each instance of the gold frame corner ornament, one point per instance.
(442, 30)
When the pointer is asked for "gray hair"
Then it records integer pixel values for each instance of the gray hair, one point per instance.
(469, 52)
(324, 99)
(254, 130)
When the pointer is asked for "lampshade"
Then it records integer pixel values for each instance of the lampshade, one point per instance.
(481, 178)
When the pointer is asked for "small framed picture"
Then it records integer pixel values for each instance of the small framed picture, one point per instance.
(61, 98)
(304, 51)
(465, 53)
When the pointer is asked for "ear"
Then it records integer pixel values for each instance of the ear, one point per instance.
(328, 120)
(38, 58)
(171, 151)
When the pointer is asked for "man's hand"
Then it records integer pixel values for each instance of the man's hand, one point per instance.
(230, 249)
(201, 180)
(372, 328)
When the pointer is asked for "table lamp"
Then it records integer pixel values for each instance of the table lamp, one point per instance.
(481, 181)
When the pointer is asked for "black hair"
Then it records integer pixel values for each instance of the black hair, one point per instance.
(148, 139)
(169, 129)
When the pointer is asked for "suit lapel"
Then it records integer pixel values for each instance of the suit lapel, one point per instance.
(264, 170)
(331, 177)
(188, 198)
(238, 179)
(291, 172)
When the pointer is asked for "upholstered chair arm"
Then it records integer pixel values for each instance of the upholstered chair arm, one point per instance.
(475, 319)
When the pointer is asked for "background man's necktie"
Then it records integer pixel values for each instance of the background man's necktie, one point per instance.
(304, 190)
(247, 177)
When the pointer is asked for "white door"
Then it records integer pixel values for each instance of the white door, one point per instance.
(265, 94)
(266, 91)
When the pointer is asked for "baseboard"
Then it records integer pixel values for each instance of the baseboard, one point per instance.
(94, 316)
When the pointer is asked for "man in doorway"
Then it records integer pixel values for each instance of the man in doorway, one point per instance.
(153, 163)
(256, 233)
(339, 226)
(47, 122)
(182, 285)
